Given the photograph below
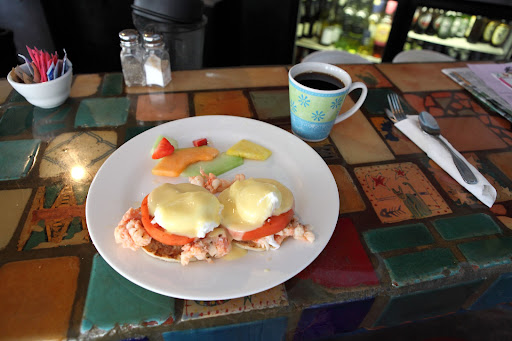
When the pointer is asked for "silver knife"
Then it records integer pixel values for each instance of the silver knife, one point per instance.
(390, 115)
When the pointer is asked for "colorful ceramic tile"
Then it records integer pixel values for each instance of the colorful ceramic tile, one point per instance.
(499, 292)
(271, 104)
(466, 226)
(328, 320)
(17, 158)
(377, 101)
(399, 143)
(131, 132)
(421, 266)
(5, 90)
(102, 112)
(225, 78)
(271, 298)
(400, 192)
(268, 330)
(37, 298)
(350, 199)
(113, 84)
(113, 300)
(397, 237)
(162, 107)
(77, 155)
(85, 85)
(56, 218)
(12, 204)
(420, 77)
(424, 304)
(47, 123)
(503, 161)
(488, 252)
(222, 103)
(16, 120)
(445, 103)
(344, 262)
(357, 141)
(368, 74)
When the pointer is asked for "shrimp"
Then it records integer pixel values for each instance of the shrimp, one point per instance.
(130, 232)
(212, 183)
(217, 244)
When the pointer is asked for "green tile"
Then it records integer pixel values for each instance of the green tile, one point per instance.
(112, 84)
(271, 104)
(17, 158)
(487, 253)
(472, 225)
(16, 120)
(421, 266)
(101, 112)
(17, 98)
(398, 237)
(131, 132)
(377, 100)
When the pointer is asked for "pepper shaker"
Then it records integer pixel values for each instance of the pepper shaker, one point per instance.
(157, 63)
(132, 58)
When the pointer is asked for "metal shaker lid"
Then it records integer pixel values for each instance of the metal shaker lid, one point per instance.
(152, 39)
(129, 37)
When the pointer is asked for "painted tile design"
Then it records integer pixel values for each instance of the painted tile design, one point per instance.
(399, 143)
(162, 107)
(17, 158)
(5, 90)
(445, 103)
(400, 192)
(222, 103)
(47, 123)
(16, 120)
(113, 300)
(274, 297)
(85, 85)
(421, 266)
(500, 126)
(12, 204)
(112, 84)
(466, 226)
(488, 252)
(499, 292)
(329, 320)
(350, 199)
(368, 74)
(77, 155)
(424, 304)
(398, 237)
(503, 161)
(427, 77)
(357, 141)
(102, 112)
(502, 185)
(56, 218)
(37, 298)
(271, 104)
(344, 262)
(377, 101)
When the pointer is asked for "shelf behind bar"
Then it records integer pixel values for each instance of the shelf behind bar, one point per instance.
(314, 45)
(460, 43)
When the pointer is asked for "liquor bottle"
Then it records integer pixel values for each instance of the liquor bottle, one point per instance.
(477, 29)
(349, 12)
(328, 20)
(302, 16)
(374, 18)
(488, 30)
(456, 24)
(424, 21)
(471, 23)
(313, 19)
(415, 17)
(446, 24)
(306, 28)
(464, 23)
(500, 34)
(435, 23)
(360, 23)
(383, 29)
(366, 42)
(337, 28)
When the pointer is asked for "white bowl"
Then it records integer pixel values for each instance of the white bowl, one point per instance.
(45, 95)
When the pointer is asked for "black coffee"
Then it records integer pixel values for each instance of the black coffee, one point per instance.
(319, 81)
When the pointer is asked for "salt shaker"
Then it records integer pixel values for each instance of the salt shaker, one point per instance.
(132, 58)
(157, 63)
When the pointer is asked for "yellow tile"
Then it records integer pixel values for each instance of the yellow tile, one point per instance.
(12, 204)
(37, 298)
(85, 85)
(5, 90)
(350, 199)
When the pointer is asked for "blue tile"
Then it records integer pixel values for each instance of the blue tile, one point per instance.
(102, 112)
(466, 226)
(112, 84)
(329, 320)
(113, 300)
(17, 158)
(50, 122)
(16, 120)
(16, 97)
(499, 292)
(488, 252)
(397, 237)
(266, 330)
(425, 304)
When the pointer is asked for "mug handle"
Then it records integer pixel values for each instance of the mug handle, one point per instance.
(357, 105)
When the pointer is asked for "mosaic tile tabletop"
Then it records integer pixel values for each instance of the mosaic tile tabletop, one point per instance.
(410, 243)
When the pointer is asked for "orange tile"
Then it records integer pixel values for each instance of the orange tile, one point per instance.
(451, 128)
(85, 85)
(222, 103)
(350, 199)
(37, 297)
(162, 107)
(420, 76)
(503, 161)
(368, 74)
(399, 143)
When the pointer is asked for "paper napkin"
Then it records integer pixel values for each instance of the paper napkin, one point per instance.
(483, 190)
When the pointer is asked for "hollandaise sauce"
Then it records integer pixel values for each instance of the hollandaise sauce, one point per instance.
(235, 253)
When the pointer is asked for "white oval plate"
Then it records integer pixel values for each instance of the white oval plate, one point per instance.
(125, 178)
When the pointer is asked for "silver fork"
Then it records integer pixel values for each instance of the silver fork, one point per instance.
(396, 107)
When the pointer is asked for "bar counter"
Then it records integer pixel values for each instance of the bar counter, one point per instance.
(423, 249)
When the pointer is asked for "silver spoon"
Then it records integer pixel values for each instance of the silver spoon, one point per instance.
(429, 124)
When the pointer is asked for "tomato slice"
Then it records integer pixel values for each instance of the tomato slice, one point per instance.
(158, 232)
(271, 226)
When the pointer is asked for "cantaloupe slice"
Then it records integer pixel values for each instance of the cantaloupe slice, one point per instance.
(175, 163)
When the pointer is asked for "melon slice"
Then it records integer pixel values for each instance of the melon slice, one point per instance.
(221, 164)
(249, 150)
(174, 164)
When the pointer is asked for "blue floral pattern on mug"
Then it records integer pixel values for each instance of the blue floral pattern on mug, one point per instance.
(293, 106)
(318, 115)
(304, 100)
(337, 103)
